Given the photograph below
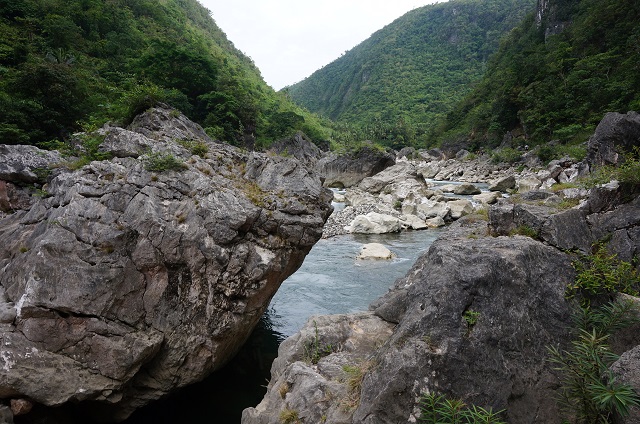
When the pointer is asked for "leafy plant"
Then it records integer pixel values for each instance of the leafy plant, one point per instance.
(506, 155)
(602, 273)
(471, 317)
(524, 230)
(198, 148)
(313, 351)
(589, 389)
(437, 409)
(354, 377)
(158, 162)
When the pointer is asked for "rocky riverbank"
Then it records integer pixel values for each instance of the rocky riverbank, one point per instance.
(474, 317)
(127, 278)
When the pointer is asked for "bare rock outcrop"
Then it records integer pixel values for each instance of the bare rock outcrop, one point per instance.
(615, 134)
(513, 286)
(141, 274)
(349, 169)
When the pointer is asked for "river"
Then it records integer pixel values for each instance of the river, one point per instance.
(330, 281)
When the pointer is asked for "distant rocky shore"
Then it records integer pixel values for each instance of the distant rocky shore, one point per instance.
(475, 316)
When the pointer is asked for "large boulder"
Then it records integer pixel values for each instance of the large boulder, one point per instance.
(124, 284)
(616, 133)
(349, 169)
(375, 223)
(318, 370)
(397, 173)
(299, 147)
(514, 287)
(26, 164)
(472, 319)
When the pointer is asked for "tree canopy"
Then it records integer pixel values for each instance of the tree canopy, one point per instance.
(66, 65)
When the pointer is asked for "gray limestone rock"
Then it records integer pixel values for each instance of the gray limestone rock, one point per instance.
(349, 169)
(26, 164)
(616, 133)
(125, 284)
(503, 184)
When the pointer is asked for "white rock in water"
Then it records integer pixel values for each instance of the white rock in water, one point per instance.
(375, 251)
(374, 223)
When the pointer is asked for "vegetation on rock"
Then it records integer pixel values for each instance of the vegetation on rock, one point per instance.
(590, 392)
(554, 77)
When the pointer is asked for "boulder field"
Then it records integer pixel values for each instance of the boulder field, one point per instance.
(130, 277)
(476, 315)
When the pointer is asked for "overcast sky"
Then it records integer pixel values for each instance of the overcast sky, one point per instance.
(290, 39)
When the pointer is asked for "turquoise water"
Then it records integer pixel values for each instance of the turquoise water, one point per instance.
(333, 281)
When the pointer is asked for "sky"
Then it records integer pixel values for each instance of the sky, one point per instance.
(290, 39)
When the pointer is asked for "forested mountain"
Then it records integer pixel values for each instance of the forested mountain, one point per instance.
(555, 76)
(72, 64)
(394, 85)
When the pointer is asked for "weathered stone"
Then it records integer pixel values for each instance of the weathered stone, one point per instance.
(487, 198)
(517, 287)
(627, 371)
(375, 223)
(429, 209)
(430, 170)
(503, 184)
(357, 197)
(535, 195)
(396, 173)
(6, 417)
(435, 222)
(320, 392)
(375, 251)
(460, 208)
(527, 184)
(568, 230)
(124, 284)
(21, 406)
(413, 222)
(616, 133)
(466, 189)
(299, 147)
(26, 164)
(348, 170)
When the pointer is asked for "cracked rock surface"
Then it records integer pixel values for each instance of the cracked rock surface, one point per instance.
(123, 284)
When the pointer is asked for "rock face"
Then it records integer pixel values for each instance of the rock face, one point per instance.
(123, 284)
(298, 147)
(616, 133)
(348, 170)
(311, 374)
(514, 289)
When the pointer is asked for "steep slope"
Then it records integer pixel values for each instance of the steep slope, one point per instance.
(555, 76)
(71, 64)
(414, 69)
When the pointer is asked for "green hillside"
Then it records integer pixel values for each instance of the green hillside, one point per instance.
(555, 77)
(394, 85)
(66, 65)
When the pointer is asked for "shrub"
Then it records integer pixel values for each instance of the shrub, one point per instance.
(437, 409)
(589, 391)
(506, 155)
(158, 162)
(198, 148)
(602, 273)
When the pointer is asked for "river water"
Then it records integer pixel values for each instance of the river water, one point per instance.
(331, 281)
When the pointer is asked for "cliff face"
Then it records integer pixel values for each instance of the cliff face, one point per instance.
(134, 276)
